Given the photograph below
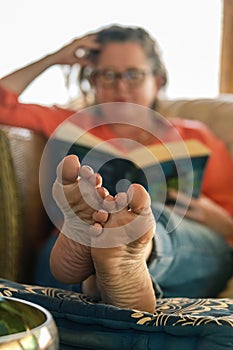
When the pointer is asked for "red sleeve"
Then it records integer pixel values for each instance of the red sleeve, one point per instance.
(38, 118)
(218, 177)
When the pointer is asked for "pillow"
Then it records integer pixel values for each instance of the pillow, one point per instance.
(11, 246)
(178, 323)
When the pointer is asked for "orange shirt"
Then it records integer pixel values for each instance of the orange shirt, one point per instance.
(32, 116)
(218, 178)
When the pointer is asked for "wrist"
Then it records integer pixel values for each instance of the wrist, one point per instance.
(49, 61)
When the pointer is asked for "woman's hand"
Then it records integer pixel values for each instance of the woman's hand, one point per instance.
(21, 78)
(204, 211)
(67, 54)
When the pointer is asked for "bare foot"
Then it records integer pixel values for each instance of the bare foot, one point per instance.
(121, 271)
(78, 192)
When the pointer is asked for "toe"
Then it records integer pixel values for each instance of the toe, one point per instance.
(68, 169)
(109, 204)
(100, 216)
(102, 192)
(121, 200)
(96, 229)
(86, 171)
(138, 198)
(95, 180)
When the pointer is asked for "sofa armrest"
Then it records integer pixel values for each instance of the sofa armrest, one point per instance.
(26, 223)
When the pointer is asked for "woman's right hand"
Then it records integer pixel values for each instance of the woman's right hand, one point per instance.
(18, 80)
(67, 54)
(204, 211)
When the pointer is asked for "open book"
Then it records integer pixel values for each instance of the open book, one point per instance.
(178, 164)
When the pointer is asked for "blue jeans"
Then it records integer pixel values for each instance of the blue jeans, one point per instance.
(187, 261)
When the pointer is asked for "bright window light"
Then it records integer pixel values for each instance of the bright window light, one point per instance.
(188, 32)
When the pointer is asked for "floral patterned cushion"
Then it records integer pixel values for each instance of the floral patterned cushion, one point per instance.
(178, 323)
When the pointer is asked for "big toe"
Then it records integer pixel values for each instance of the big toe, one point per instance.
(68, 169)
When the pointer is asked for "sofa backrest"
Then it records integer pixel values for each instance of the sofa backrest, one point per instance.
(216, 113)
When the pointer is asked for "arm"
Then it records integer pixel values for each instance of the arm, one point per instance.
(20, 79)
(206, 212)
(214, 208)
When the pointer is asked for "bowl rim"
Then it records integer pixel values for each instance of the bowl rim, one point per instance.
(47, 313)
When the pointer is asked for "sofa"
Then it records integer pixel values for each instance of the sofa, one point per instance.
(84, 323)
(24, 222)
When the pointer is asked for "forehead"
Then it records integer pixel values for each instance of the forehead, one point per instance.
(125, 54)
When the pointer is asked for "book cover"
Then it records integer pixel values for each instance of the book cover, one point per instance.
(157, 167)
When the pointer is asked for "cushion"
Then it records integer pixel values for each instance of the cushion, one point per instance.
(24, 224)
(216, 113)
(178, 323)
(11, 245)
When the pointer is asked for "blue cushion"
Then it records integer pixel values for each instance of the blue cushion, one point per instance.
(178, 323)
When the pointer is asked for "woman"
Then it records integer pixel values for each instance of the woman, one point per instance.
(123, 65)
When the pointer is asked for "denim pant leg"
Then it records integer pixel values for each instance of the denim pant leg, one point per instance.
(191, 260)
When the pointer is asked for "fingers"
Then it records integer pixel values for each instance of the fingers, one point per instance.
(180, 198)
(184, 205)
(87, 41)
(68, 54)
(86, 49)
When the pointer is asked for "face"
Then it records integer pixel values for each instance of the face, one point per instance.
(119, 58)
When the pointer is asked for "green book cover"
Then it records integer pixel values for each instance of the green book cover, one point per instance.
(157, 167)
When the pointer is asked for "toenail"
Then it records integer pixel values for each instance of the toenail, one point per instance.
(96, 229)
(86, 171)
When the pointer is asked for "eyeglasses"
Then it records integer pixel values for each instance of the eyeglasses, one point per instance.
(133, 77)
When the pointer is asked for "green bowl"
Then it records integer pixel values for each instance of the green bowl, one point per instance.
(25, 325)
